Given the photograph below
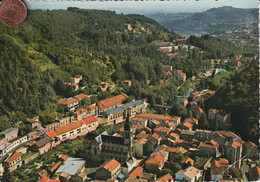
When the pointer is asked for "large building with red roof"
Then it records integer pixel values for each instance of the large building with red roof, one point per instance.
(111, 103)
(14, 162)
(108, 170)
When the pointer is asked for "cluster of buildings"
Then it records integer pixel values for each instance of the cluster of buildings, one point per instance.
(135, 30)
(73, 102)
(74, 82)
(168, 72)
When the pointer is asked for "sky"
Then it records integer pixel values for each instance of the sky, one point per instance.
(142, 7)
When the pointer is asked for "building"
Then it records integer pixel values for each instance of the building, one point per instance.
(250, 150)
(135, 174)
(125, 83)
(176, 120)
(203, 135)
(187, 135)
(162, 131)
(103, 147)
(234, 152)
(165, 178)
(109, 170)
(166, 69)
(198, 112)
(72, 102)
(181, 77)
(139, 120)
(115, 116)
(139, 147)
(208, 149)
(212, 114)
(164, 44)
(14, 162)
(190, 174)
(129, 165)
(10, 133)
(71, 167)
(217, 168)
(43, 145)
(184, 102)
(111, 103)
(76, 79)
(35, 122)
(155, 163)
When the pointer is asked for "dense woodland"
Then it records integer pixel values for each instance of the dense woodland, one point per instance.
(40, 55)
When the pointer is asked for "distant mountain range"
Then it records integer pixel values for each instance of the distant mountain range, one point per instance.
(215, 20)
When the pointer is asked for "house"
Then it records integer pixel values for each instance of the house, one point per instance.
(212, 114)
(14, 162)
(162, 131)
(14, 143)
(129, 165)
(111, 103)
(165, 178)
(43, 173)
(198, 112)
(208, 149)
(217, 168)
(104, 86)
(109, 170)
(203, 135)
(234, 152)
(165, 49)
(187, 161)
(115, 116)
(43, 145)
(168, 124)
(71, 167)
(47, 179)
(139, 120)
(193, 121)
(180, 40)
(212, 62)
(76, 79)
(166, 69)
(176, 120)
(184, 102)
(235, 62)
(72, 102)
(125, 83)
(139, 147)
(174, 136)
(128, 26)
(155, 163)
(190, 174)
(164, 44)
(35, 122)
(55, 166)
(173, 55)
(187, 135)
(254, 173)
(34, 135)
(193, 105)
(186, 125)
(135, 174)
(51, 126)
(181, 77)
(250, 150)
(10, 133)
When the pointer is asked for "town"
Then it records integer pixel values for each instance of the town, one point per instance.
(147, 146)
(96, 96)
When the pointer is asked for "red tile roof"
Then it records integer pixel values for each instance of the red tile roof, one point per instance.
(117, 135)
(42, 173)
(162, 129)
(234, 144)
(139, 119)
(221, 162)
(112, 101)
(90, 120)
(51, 133)
(165, 178)
(187, 124)
(206, 145)
(67, 102)
(69, 127)
(158, 116)
(14, 156)
(248, 143)
(55, 166)
(155, 122)
(156, 136)
(155, 159)
(63, 156)
(136, 172)
(143, 141)
(187, 160)
(80, 96)
(47, 179)
(110, 165)
(174, 135)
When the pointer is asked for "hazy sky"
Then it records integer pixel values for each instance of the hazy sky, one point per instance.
(145, 6)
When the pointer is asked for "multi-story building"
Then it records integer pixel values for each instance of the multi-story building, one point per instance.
(109, 170)
(234, 152)
(103, 147)
(111, 103)
(14, 162)
(176, 120)
(203, 135)
(10, 133)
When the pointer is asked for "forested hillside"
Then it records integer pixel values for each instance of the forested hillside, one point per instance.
(41, 54)
(240, 97)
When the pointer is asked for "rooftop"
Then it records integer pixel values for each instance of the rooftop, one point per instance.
(71, 166)
(190, 172)
(112, 101)
(14, 157)
(110, 165)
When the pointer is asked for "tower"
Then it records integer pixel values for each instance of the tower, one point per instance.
(128, 132)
